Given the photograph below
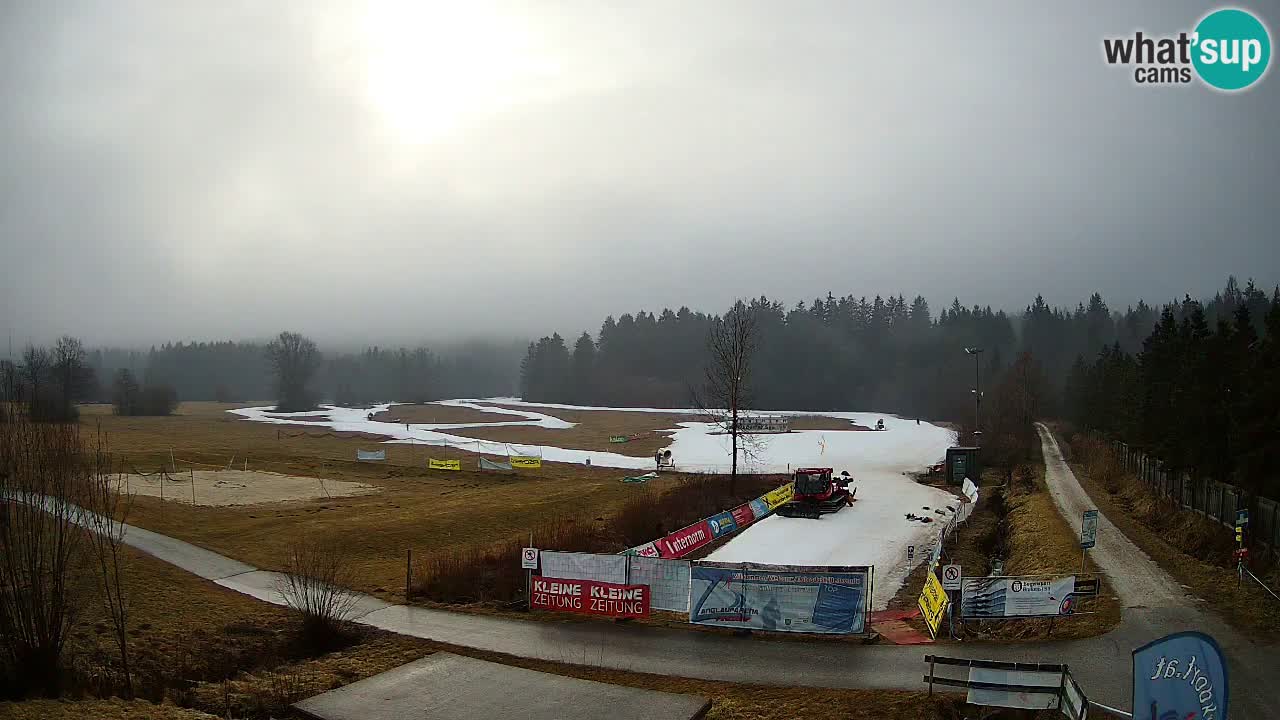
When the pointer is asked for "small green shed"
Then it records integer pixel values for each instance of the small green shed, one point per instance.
(962, 462)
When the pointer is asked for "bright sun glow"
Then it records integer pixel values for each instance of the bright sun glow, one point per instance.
(435, 66)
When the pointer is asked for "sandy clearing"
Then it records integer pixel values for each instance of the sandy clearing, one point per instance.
(222, 488)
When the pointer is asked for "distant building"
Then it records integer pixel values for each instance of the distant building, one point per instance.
(764, 424)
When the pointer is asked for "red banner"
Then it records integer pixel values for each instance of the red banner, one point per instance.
(588, 597)
(686, 540)
(743, 516)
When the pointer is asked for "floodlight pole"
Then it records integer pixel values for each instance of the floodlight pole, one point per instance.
(977, 390)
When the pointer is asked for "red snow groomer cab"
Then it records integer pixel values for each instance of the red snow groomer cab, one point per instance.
(817, 491)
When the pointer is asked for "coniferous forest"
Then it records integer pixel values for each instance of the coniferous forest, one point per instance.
(1196, 383)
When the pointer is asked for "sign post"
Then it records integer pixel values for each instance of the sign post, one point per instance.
(951, 582)
(529, 562)
(1088, 534)
(1242, 519)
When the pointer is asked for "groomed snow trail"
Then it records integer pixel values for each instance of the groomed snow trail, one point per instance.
(1136, 578)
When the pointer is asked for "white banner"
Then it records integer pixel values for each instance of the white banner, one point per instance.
(1046, 699)
(371, 454)
(668, 582)
(997, 597)
(585, 566)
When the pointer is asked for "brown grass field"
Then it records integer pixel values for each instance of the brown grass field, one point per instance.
(415, 508)
(431, 413)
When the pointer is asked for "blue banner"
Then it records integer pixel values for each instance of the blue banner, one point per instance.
(780, 598)
(1180, 677)
(722, 524)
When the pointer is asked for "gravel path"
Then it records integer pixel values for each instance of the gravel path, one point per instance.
(1136, 578)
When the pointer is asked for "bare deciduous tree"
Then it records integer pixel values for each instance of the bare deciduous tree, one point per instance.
(294, 359)
(725, 393)
(44, 488)
(317, 576)
(110, 511)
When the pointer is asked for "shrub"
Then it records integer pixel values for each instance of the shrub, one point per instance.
(317, 578)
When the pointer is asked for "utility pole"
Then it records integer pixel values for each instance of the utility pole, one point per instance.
(977, 391)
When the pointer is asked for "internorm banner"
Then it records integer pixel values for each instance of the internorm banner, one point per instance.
(690, 538)
(781, 598)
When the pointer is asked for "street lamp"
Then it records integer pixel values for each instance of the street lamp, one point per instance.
(977, 390)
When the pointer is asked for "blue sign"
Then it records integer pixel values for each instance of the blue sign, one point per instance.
(722, 524)
(1242, 518)
(780, 598)
(1180, 677)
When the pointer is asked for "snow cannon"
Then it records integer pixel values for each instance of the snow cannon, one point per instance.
(818, 492)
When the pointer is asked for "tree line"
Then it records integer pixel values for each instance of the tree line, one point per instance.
(1201, 393)
(832, 353)
(152, 382)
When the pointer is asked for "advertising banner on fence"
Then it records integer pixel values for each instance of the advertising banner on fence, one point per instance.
(618, 438)
(722, 524)
(743, 516)
(759, 508)
(685, 540)
(588, 597)
(1181, 676)
(435, 464)
(649, 549)
(1002, 597)
(777, 498)
(525, 461)
(668, 582)
(584, 566)
(371, 454)
(782, 598)
(933, 602)
(490, 465)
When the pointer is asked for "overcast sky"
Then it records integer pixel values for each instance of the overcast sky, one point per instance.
(404, 170)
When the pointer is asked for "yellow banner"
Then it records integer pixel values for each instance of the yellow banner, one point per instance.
(435, 464)
(777, 498)
(933, 602)
(525, 461)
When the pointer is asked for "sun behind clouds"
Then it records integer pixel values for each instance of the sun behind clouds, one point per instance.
(433, 67)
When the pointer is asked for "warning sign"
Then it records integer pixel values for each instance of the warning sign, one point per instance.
(950, 577)
(529, 559)
(933, 603)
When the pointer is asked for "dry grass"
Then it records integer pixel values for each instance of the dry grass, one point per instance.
(1196, 552)
(434, 413)
(112, 709)
(648, 431)
(822, 422)
(429, 511)
(491, 573)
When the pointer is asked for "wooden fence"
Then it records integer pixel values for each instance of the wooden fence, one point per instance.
(1215, 500)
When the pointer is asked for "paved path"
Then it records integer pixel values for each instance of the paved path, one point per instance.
(445, 686)
(1100, 664)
